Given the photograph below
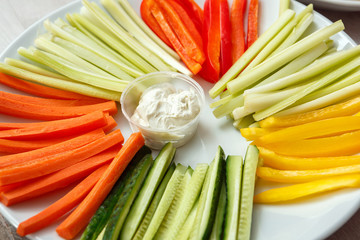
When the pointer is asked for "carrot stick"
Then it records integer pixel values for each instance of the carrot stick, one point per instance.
(53, 163)
(62, 206)
(74, 143)
(48, 101)
(192, 48)
(58, 128)
(194, 66)
(59, 179)
(40, 90)
(32, 111)
(111, 124)
(237, 14)
(81, 216)
(252, 32)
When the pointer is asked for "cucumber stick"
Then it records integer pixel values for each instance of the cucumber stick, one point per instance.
(170, 214)
(247, 192)
(217, 231)
(234, 166)
(127, 197)
(101, 217)
(140, 206)
(185, 230)
(165, 201)
(154, 204)
(191, 194)
(209, 197)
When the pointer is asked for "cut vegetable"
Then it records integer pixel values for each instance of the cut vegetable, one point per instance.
(101, 217)
(296, 191)
(139, 207)
(80, 217)
(237, 15)
(252, 28)
(234, 172)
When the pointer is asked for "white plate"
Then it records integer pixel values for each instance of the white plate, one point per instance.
(315, 218)
(337, 5)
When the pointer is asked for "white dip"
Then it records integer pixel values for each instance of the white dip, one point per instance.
(163, 107)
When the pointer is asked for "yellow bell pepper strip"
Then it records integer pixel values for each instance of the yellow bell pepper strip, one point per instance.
(298, 176)
(274, 160)
(254, 133)
(314, 129)
(346, 108)
(296, 191)
(341, 145)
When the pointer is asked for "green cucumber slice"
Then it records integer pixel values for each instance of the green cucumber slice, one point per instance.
(165, 201)
(185, 230)
(247, 192)
(209, 198)
(132, 187)
(101, 217)
(170, 214)
(140, 206)
(154, 204)
(234, 165)
(191, 194)
(218, 228)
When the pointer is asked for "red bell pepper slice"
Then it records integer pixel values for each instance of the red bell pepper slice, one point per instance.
(194, 66)
(225, 33)
(252, 33)
(237, 14)
(211, 41)
(192, 48)
(187, 21)
(149, 19)
(194, 11)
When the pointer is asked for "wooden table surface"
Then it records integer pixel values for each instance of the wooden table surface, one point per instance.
(17, 15)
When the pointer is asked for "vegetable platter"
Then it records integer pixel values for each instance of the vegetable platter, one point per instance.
(315, 218)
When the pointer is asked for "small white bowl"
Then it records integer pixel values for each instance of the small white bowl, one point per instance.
(157, 138)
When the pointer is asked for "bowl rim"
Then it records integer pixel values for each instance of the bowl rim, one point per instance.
(186, 78)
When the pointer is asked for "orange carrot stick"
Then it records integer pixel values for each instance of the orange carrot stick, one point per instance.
(59, 179)
(81, 216)
(74, 143)
(60, 128)
(62, 206)
(32, 111)
(41, 90)
(50, 164)
(48, 101)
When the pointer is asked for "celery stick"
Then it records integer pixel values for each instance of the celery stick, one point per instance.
(254, 49)
(227, 108)
(271, 46)
(137, 19)
(347, 80)
(312, 70)
(95, 59)
(295, 65)
(45, 44)
(258, 101)
(60, 84)
(33, 68)
(110, 54)
(323, 81)
(82, 40)
(328, 99)
(78, 74)
(308, 9)
(121, 16)
(284, 5)
(124, 36)
(298, 31)
(285, 56)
